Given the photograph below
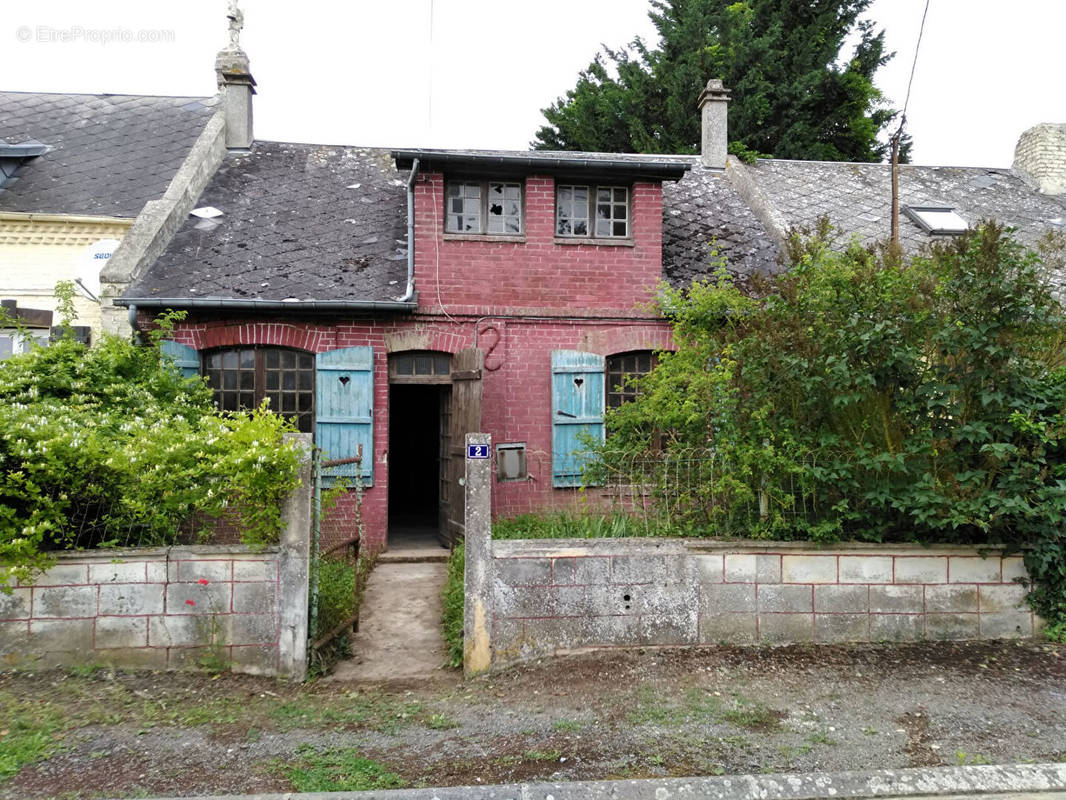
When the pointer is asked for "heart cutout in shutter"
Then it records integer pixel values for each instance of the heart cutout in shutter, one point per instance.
(344, 380)
(578, 382)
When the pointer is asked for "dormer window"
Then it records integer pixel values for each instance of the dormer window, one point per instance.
(937, 219)
(586, 210)
(483, 207)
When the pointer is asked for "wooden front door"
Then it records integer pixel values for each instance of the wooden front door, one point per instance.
(464, 417)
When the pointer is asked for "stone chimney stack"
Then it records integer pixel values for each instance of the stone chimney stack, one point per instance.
(713, 105)
(235, 84)
(1040, 158)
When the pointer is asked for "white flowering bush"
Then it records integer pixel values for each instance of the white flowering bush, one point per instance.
(111, 446)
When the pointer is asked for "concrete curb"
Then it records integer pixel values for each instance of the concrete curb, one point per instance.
(941, 782)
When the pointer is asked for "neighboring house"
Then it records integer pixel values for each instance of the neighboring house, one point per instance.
(87, 183)
(395, 300)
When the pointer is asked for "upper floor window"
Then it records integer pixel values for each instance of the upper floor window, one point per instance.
(483, 207)
(600, 212)
(241, 377)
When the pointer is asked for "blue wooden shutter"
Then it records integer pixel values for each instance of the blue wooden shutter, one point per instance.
(185, 358)
(344, 409)
(577, 409)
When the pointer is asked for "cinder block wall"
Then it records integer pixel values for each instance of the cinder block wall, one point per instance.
(156, 608)
(552, 596)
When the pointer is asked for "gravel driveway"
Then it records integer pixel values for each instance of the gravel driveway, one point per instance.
(617, 714)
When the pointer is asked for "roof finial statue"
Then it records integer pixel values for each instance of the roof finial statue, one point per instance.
(236, 23)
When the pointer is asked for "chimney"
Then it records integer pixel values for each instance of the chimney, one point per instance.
(235, 85)
(1040, 158)
(713, 105)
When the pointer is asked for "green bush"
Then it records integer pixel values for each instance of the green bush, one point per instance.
(453, 598)
(869, 398)
(110, 446)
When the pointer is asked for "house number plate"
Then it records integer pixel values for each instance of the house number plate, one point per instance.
(477, 451)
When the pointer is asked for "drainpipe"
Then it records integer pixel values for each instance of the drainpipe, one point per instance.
(410, 294)
(131, 315)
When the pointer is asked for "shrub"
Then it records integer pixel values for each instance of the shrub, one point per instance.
(865, 397)
(453, 599)
(110, 446)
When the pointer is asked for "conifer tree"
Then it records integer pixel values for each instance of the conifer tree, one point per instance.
(794, 95)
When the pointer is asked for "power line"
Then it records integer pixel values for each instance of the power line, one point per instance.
(914, 64)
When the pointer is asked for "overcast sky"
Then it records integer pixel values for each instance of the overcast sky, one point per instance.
(475, 73)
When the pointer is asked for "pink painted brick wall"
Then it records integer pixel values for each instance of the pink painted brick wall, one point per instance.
(536, 275)
(516, 389)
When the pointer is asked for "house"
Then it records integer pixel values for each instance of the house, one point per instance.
(84, 182)
(394, 300)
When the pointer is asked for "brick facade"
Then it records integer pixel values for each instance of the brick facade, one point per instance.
(516, 300)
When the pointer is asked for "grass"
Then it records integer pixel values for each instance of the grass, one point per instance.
(586, 525)
(542, 755)
(441, 722)
(699, 705)
(452, 598)
(337, 770)
(29, 732)
(568, 725)
(358, 710)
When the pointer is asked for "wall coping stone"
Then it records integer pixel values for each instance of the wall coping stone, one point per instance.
(570, 548)
(173, 553)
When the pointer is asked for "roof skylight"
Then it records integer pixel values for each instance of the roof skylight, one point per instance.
(937, 219)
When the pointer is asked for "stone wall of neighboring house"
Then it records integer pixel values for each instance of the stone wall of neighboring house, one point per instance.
(516, 397)
(1040, 157)
(552, 596)
(36, 253)
(171, 607)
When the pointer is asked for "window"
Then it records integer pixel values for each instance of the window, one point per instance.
(600, 212)
(242, 377)
(483, 207)
(14, 341)
(937, 219)
(420, 368)
(622, 367)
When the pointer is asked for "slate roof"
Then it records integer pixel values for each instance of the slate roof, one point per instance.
(857, 198)
(703, 214)
(110, 154)
(299, 221)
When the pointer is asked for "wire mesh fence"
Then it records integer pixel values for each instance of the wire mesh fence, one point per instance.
(683, 492)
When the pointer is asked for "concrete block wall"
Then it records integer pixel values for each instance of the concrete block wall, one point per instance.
(156, 608)
(563, 595)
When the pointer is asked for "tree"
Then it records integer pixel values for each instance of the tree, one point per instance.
(791, 98)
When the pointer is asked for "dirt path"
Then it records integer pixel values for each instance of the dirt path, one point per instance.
(722, 710)
(399, 634)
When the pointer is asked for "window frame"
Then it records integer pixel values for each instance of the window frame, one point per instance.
(22, 340)
(593, 202)
(484, 189)
(260, 389)
(627, 393)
